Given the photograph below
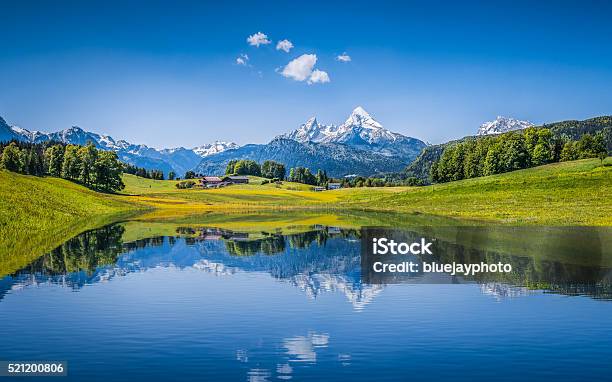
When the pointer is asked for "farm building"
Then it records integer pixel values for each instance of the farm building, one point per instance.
(237, 179)
(208, 180)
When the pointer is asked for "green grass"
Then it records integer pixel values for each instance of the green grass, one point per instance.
(38, 214)
(568, 193)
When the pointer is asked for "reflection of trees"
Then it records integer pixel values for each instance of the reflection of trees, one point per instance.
(143, 243)
(565, 260)
(303, 240)
(275, 243)
(328, 258)
(269, 245)
(532, 271)
(85, 252)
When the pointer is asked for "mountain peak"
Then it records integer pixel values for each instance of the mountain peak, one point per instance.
(312, 121)
(361, 112)
(502, 124)
(360, 130)
(76, 129)
(214, 148)
(361, 118)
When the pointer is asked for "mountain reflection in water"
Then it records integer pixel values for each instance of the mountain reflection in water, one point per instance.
(322, 259)
(231, 300)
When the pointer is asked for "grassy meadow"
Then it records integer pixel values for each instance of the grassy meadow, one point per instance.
(567, 193)
(37, 214)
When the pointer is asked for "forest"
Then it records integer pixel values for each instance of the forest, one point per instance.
(96, 169)
(512, 151)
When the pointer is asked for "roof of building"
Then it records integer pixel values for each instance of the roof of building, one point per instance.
(236, 177)
(211, 179)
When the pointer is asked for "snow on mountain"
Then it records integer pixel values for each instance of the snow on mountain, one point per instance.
(178, 159)
(359, 130)
(359, 127)
(214, 148)
(312, 131)
(502, 125)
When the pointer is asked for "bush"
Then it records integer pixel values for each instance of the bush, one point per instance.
(185, 184)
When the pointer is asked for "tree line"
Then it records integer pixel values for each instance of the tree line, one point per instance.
(269, 169)
(512, 151)
(96, 169)
(144, 173)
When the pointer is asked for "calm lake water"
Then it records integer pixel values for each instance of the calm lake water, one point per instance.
(204, 303)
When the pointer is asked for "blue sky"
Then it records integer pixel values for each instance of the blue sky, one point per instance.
(165, 73)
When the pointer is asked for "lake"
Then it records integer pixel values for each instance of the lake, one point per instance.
(247, 298)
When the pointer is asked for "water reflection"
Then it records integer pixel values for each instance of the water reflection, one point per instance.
(230, 304)
(327, 259)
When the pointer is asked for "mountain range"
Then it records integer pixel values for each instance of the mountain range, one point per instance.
(502, 125)
(178, 159)
(360, 146)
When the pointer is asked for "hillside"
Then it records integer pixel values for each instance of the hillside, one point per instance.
(557, 194)
(564, 193)
(37, 214)
(421, 166)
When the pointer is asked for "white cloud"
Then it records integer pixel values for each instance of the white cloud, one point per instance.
(258, 39)
(300, 68)
(318, 77)
(243, 60)
(284, 45)
(343, 57)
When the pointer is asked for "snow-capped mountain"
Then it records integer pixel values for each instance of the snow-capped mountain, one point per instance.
(361, 131)
(214, 148)
(177, 159)
(360, 145)
(359, 126)
(502, 125)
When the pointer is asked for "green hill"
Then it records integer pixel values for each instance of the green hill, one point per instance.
(573, 130)
(37, 214)
(566, 193)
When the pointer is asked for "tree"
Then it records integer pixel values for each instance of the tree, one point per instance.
(171, 175)
(514, 152)
(11, 158)
(568, 152)
(107, 172)
(541, 155)
(31, 163)
(156, 174)
(599, 147)
(54, 157)
(87, 158)
(189, 175)
(71, 164)
(543, 151)
(322, 178)
(492, 163)
(585, 147)
(247, 167)
(273, 170)
(229, 169)
(302, 175)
